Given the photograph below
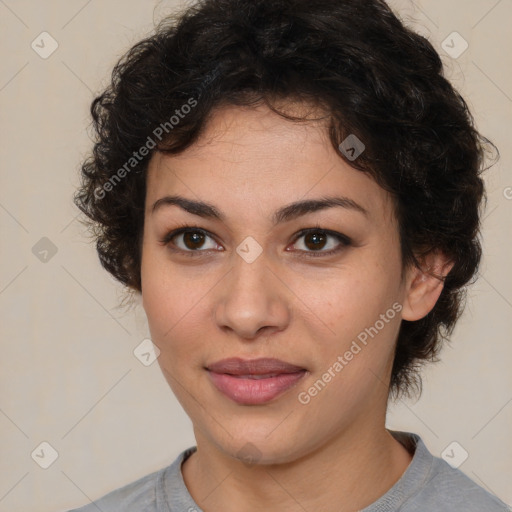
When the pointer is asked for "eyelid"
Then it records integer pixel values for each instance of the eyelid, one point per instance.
(166, 239)
(335, 234)
(343, 240)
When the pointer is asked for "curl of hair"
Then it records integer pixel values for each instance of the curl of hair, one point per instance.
(371, 75)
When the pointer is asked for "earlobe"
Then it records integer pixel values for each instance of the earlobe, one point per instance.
(424, 286)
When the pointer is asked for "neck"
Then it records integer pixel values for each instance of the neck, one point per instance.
(348, 473)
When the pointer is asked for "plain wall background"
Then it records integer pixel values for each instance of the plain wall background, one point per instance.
(68, 373)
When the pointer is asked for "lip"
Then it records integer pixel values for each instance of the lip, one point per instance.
(254, 381)
(260, 366)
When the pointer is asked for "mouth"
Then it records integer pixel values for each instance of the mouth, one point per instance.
(255, 377)
(256, 381)
(262, 366)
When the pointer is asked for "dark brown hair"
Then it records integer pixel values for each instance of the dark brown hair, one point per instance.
(374, 78)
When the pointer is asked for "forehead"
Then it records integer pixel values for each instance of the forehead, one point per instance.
(251, 159)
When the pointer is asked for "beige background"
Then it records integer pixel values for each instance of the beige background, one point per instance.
(68, 373)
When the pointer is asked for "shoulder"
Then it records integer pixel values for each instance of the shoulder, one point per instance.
(139, 495)
(147, 494)
(450, 489)
(444, 488)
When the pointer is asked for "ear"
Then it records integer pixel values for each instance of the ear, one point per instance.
(424, 285)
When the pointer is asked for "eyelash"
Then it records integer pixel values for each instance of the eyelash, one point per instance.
(343, 239)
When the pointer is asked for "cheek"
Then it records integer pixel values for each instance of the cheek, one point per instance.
(164, 299)
(165, 292)
(357, 305)
(349, 299)
(174, 304)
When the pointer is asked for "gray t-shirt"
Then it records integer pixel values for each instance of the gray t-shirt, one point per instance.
(428, 484)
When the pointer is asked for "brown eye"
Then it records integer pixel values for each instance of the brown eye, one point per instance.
(193, 239)
(315, 240)
(188, 240)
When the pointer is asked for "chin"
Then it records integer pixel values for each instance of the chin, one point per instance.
(258, 448)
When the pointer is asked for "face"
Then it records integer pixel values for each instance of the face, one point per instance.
(246, 283)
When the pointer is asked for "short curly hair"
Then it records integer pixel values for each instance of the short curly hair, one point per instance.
(371, 75)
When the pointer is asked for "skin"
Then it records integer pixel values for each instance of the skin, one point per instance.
(333, 454)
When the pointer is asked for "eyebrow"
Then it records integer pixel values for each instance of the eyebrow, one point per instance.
(284, 214)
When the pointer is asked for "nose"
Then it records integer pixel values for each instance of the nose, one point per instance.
(252, 302)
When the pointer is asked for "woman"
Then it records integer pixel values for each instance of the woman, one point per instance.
(294, 190)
